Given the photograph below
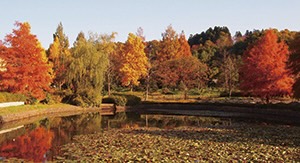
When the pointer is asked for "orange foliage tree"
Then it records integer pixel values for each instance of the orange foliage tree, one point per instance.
(173, 61)
(186, 70)
(184, 48)
(169, 45)
(134, 62)
(264, 73)
(26, 69)
(31, 147)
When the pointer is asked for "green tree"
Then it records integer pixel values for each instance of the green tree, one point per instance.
(210, 47)
(107, 45)
(85, 74)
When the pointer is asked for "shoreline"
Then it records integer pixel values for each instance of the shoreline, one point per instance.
(36, 113)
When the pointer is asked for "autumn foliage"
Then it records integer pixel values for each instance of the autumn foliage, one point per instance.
(59, 56)
(134, 62)
(26, 69)
(264, 72)
(295, 64)
(31, 147)
(188, 70)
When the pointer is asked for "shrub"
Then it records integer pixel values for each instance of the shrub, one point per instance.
(117, 100)
(50, 99)
(194, 92)
(122, 99)
(132, 100)
(233, 94)
(10, 97)
(75, 99)
(167, 91)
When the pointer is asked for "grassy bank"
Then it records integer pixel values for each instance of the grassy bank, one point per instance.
(10, 114)
(25, 108)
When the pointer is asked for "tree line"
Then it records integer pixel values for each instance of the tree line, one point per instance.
(262, 63)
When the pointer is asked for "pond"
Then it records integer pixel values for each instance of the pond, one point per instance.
(42, 139)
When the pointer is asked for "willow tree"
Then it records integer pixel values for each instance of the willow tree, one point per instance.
(85, 74)
(107, 45)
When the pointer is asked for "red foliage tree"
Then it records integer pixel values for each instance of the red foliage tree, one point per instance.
(31, 147)
(295, 64)
(26, 69)
(264, 73)
(188, 70)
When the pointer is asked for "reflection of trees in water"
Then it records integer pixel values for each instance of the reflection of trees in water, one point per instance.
(65, 128)
(47, 135)
(31, 147)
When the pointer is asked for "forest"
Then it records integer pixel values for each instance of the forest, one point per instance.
(260, 63)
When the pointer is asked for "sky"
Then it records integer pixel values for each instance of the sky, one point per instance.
(125, 16)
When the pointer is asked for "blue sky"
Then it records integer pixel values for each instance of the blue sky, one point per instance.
(124, 16)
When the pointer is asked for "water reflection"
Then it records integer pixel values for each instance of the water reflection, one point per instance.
(42, 139)
(32, 146)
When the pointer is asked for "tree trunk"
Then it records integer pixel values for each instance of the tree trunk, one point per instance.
(108, 85)
(185, 94)
(147, 88)
(131, 88)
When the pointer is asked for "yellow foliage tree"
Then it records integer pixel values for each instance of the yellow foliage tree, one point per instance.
(134, 62)
(58, 57)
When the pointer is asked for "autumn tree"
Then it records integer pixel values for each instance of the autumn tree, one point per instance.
(85, 74)
(187, 71)
(133, 61)
(295, 64)
(26, 69)
(230, 72)
(59, 56)
(151, 50)
(264, 73)
(184, 48)
(169, 45)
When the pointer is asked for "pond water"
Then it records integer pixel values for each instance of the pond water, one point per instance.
(41, 140)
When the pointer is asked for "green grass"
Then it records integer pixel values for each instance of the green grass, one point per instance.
(25, 108)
